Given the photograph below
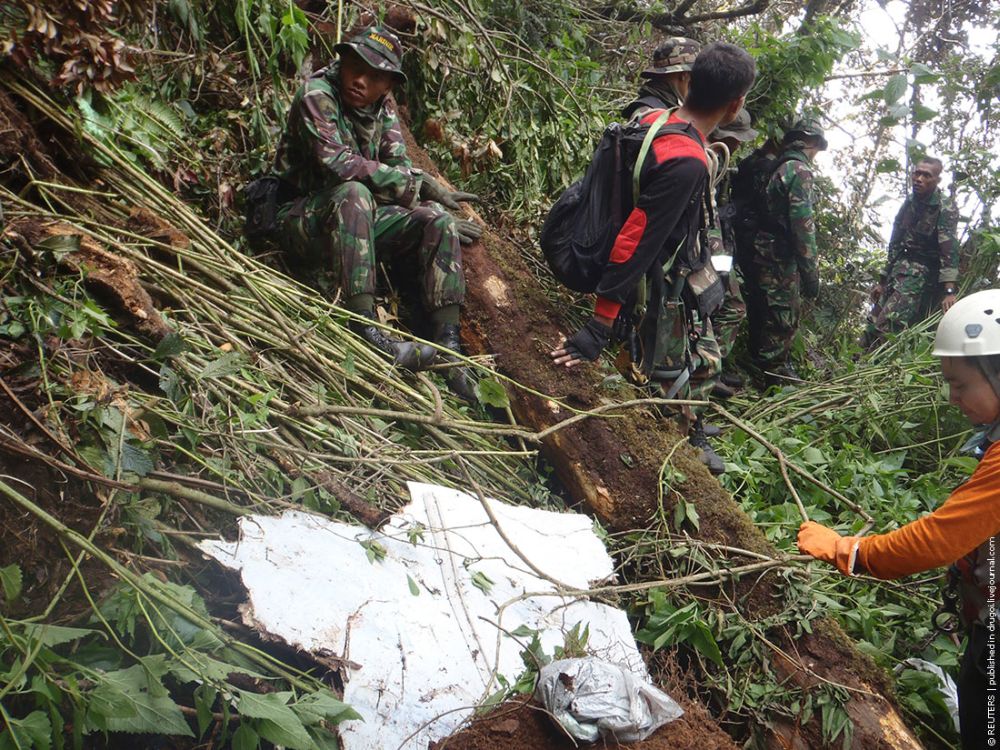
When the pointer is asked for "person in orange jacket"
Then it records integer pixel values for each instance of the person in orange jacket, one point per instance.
(966, 528)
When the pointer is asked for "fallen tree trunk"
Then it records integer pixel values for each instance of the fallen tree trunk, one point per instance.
(613, 466)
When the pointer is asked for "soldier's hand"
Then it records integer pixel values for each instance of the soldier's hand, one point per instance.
(468, 231)
(584, 345)
(947, 302)
(432, 190)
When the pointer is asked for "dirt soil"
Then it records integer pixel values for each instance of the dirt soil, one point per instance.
(525, 725)
(28, 542)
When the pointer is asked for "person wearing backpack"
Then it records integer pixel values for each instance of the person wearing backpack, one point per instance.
(666, 80)
(962, 532)
(783, 267)
(660, 242)
(351, 197)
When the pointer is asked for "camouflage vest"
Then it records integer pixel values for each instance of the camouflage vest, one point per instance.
(915, 231)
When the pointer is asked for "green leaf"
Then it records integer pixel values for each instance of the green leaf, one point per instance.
(279, 723)
(813, 456)
(705, 644)
(245, 738)
(33, 731)
(11, 581)
(320, 706)
(204, 700)
(133, 700)
(414, 589)
(136, 460)
(374, 551)
(170, 346)
(491, 393)
(886, 166)
(894, 89)
(923, 74)
(55, 635)
(228, 364)
(915, 148)
(482, 581)
(923, 113)
(323, 738)
(60, 245)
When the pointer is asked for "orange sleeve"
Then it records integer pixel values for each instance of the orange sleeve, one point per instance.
(969, 517)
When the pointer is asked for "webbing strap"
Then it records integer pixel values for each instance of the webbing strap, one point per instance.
(654, 130)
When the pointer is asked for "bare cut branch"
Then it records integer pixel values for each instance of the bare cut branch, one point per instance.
(678, 17)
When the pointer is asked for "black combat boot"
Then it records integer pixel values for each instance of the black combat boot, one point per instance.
(732, 379)
(458, 377)
(723, 391)
(708, 456)
(404, 354)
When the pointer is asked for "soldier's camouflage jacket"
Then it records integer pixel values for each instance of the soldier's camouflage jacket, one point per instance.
(320, 149)
(924, 232)
(790, 231)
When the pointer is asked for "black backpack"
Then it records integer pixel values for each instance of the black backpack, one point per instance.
(584, 222)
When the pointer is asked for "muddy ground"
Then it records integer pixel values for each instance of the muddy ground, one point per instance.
(525, 725)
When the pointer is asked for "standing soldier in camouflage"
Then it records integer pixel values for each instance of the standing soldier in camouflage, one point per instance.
(921, 273)
(350, 197)
(784, 264)
(727, 319)
(666, 82)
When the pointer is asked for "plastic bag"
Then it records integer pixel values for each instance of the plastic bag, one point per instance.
(948, 689)
(591, 698)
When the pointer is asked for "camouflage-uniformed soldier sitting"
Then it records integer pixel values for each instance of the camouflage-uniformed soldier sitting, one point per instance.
(921, 272)
(667, 80)
(357, 199)
(783, 266)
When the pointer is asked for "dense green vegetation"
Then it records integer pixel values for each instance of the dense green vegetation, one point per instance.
(509, 98)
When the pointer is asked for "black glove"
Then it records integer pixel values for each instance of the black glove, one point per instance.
(468, 231)
(810, 287)
(589, 341)
(432, 190)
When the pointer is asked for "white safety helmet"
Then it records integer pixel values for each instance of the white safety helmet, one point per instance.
(971, 327)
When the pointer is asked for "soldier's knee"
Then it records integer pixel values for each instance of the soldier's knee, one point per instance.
(353, 194)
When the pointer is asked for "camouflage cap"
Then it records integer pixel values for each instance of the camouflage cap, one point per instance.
(675, 55)
(807, 127)
(378, 47)
(739, 129)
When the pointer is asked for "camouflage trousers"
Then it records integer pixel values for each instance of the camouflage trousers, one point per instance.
(676, 338)
(339, 235)
(773, 304)
(727, 319)
(910, 294)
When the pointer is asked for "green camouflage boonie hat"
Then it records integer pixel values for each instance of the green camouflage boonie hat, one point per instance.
(675, 55)
(379, 48)
(807, 127)
(739, 129)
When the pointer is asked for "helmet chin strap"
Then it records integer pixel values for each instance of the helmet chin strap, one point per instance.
(990, 372)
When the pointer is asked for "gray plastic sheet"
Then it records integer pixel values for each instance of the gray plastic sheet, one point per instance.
(592, 698)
